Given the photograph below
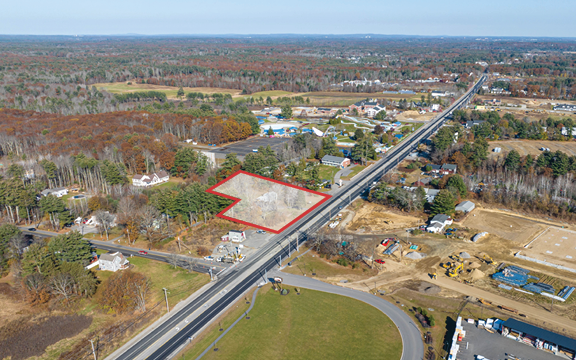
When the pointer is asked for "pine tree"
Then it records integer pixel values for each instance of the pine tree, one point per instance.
(444, 203)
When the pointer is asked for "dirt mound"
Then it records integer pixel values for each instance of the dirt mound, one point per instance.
(477, 274)
(464, 255)
(473, 265)
(415, 255)
(428, 288)
(6, 289)
(375, 218)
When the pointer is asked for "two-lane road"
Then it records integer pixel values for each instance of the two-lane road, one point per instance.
(409, 331)
(187, 262)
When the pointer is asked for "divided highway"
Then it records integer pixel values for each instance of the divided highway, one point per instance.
(164, 341)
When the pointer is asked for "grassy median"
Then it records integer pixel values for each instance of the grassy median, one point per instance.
(313, 325)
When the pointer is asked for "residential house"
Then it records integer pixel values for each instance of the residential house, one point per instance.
(438, 223)
(234, 236)
(422, 182)
(565, 131)
(364, 105)
(435, 168)
(147, 180)
(371, 112)
(465, 206)
(435, 107)
(471, 123)
(58, 192)
(448, 169)
(337, 161)
(113, 261)
(431, 194)
(436, 93)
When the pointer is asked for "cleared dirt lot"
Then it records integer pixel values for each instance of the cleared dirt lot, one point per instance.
(506, 226)
(415, 115)
(554, 245)
(532, 147)
(377, 218)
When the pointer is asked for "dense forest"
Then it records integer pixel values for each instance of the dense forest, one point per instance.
(56, 74)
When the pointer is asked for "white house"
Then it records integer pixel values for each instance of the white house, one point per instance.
(113, 261)
(234, 236)
(371, 112)
(438, 223)
(150, 179)
(58, 192)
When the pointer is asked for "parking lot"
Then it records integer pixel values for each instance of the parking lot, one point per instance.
(243, 148)
(497, 347)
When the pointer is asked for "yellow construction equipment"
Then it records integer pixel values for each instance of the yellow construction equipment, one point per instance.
(455, 270)
(485, 302)
(488, 259)
(456, 258)
(446, 265)
(433, 276)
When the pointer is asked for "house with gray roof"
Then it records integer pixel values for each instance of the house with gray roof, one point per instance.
(337, 161)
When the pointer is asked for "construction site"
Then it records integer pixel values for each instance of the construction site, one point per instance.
(435, 270)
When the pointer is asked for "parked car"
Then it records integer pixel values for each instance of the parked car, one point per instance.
(261, 232)
(143, 252)
(380, 261)
(32, 229)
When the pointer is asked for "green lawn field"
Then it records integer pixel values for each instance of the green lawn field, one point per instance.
(327, 172)
(313, 325)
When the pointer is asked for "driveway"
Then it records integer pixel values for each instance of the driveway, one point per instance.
(413, 345)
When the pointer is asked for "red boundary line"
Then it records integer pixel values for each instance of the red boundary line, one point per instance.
(212, 190)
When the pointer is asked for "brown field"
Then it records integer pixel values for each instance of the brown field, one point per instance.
(544, 104)
(415, 115)
(377, 218)
(506, 226)
(554, 245)
(170, 91)
(338, 98)
(532, 147)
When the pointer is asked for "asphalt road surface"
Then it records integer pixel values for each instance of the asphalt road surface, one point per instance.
(412, 344)
(152, 344)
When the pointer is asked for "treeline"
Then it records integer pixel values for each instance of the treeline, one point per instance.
(48, 270)
(496, 127)
(141, 95)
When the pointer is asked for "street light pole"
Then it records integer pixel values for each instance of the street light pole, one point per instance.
(166, 297)
(93, 351)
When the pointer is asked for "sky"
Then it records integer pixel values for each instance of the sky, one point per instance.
(531, 18)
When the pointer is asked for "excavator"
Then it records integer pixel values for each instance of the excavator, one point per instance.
(456, 258)
(433, 276)
(488, 259)
(453, 272)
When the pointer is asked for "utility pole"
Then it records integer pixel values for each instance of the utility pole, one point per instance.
(166, 297)
(93, 351)
(210, 271)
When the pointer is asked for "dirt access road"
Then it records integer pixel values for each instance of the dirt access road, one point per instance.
(558, 323)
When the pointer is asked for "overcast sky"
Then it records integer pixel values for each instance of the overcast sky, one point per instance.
(533, 18)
